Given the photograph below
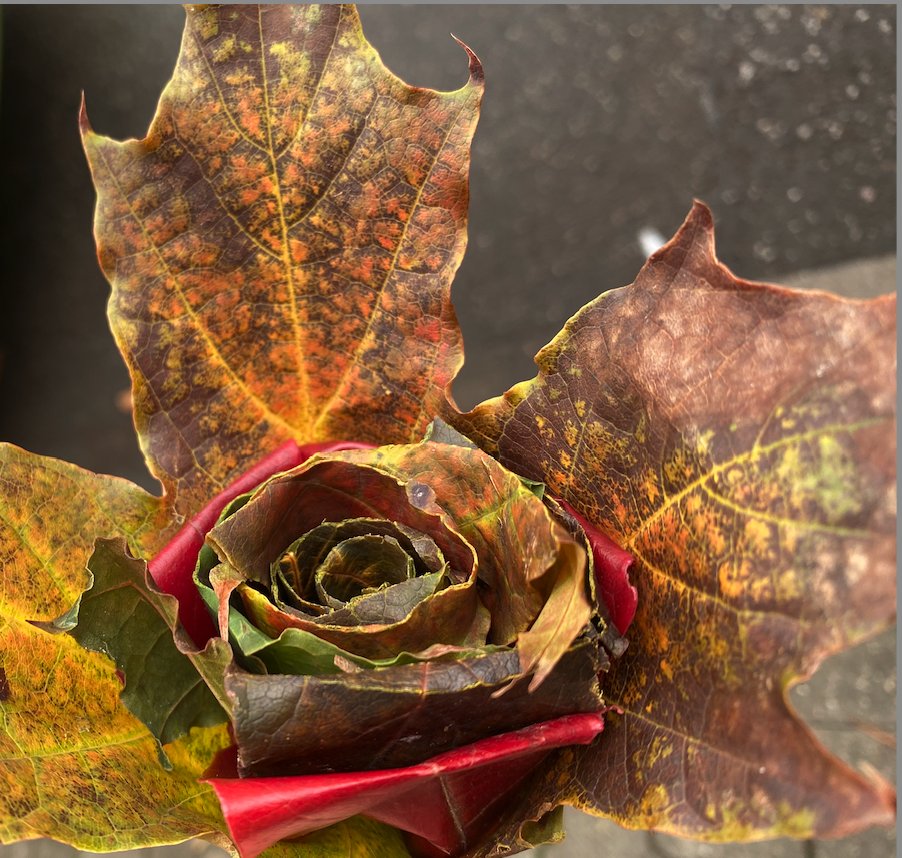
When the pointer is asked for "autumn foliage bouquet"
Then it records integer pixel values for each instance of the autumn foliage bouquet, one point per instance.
(361, 622)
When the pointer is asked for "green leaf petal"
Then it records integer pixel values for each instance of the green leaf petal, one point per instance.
(169, 685)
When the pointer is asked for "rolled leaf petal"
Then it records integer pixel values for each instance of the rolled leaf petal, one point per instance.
(450, 802)
(487, 531)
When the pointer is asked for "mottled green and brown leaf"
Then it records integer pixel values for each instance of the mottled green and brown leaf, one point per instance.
(281, 244)
(739, 440)
(170, 685)
(74, 764)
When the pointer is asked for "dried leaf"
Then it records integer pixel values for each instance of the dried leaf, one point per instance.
(738, 440)
(281, 244)
(407, 713)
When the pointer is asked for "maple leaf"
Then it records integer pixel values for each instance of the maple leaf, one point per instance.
(281, 244)
(738, 439)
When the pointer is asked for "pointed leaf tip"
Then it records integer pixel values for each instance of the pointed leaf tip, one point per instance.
(477, 73)
(695, 236)
(84, 124)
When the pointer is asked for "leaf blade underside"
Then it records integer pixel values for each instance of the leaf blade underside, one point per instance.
(281, 244)
(738, 440)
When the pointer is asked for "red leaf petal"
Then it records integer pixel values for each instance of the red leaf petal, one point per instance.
(612, 566)
(173, 567)
(457, 794)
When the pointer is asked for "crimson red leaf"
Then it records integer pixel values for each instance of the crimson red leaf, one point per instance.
(449, 801)
(612, 566)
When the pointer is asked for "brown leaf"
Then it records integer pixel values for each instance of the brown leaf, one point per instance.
(398, 716)
(738, 439)
(281, 244)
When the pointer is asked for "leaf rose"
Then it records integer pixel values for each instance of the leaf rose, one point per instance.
(340, 642)
(384, 606)
(429, 561)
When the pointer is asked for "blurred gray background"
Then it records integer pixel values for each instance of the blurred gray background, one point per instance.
(600, 125)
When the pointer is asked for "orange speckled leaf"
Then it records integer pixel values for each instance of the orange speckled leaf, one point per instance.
(74, 764)
(739, 440)
(281, 244)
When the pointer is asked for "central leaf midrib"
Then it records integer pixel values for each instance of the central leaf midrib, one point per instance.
(300, 351)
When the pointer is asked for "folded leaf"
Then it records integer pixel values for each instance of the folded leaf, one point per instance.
(169, 684)
(454, 616)
(281, 244)
(301, 653)
(448, 805)
(295, 578)
(61, 720)
(738, 440)
(397, 716)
